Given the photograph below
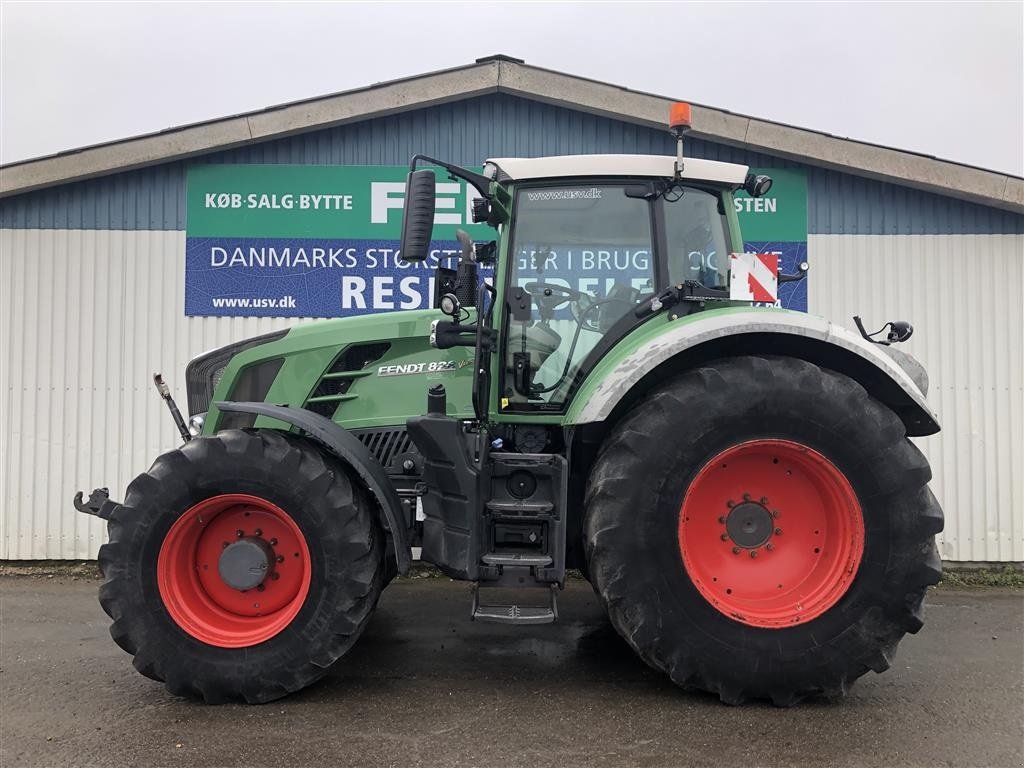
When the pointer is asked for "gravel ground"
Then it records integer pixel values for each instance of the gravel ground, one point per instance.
(425, 686)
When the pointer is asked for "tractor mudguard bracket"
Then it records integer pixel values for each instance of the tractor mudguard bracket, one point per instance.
(349, 449)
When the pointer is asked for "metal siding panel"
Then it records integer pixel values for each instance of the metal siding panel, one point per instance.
(87, 317)
(963, 294)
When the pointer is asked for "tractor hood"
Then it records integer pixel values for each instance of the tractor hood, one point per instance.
(367, 371)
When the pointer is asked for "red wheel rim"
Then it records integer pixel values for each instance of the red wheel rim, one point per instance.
(201, 602)
(771, 533)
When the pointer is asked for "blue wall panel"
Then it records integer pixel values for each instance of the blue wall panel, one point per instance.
(496, 125)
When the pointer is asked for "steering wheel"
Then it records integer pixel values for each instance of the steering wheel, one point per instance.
(551, 296)
(585, 309)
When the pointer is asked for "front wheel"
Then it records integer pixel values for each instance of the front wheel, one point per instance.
(782, 539)
(241, 566)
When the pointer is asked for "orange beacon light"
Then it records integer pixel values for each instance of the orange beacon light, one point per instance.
(679, 116)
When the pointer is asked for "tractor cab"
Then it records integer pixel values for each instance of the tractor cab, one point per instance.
(585, 245)
(582, 257)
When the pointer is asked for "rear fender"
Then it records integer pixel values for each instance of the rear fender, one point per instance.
(892, 377)
(349, 449)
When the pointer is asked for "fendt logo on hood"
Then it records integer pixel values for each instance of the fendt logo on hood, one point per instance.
(434, 366)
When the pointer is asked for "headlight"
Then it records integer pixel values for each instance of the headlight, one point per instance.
(195, 424)
(203, 373)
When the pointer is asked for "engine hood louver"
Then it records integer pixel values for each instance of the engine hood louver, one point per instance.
(333, 388)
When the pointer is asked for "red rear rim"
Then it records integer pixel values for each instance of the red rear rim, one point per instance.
(189, 570)
(771, 533)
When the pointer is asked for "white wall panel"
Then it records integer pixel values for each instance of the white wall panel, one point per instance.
(88, 315)
(965, 296)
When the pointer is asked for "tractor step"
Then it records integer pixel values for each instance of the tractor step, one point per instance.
(519, 507)
(517, 558)
(514, 613)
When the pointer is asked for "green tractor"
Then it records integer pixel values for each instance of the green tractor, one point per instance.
(735, 481)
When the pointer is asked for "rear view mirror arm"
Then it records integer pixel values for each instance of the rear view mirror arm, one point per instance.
(479, 181)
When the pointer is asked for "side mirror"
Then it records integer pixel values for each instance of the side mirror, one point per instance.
(418, 219)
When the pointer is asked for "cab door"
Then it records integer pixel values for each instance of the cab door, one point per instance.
(581, 258)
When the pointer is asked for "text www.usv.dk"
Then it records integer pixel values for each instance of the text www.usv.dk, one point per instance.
(285, 302)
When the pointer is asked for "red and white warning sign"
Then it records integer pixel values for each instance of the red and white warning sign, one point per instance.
(754, 277)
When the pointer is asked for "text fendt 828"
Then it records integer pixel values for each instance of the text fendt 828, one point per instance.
(735, 481)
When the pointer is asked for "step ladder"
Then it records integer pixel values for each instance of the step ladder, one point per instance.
(514, 613)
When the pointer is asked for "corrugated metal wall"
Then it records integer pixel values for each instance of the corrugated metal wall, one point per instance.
(89, 315)
(496, 125)
(963, 294)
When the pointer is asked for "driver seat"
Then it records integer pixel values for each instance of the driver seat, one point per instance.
(540, 341)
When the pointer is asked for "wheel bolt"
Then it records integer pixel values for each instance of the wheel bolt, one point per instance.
(775, 513)
(224, 545)
(239, 533)
(260, 587)
(730, 503)
(764, 500)
(721, 521)
(778, 531)
(273, 542)
(769, 546)
(280, 558)
(753, 553)
(735, 550)
(275, 575)
(746, 497)
(725, 537)
(258, 532)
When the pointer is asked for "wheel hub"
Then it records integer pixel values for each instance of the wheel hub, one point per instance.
(246, 563)
(749, 525)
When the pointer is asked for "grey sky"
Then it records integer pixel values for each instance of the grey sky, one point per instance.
(942, 78)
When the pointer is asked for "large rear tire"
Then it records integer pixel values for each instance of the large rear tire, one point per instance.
(762, 528)
(241, 566)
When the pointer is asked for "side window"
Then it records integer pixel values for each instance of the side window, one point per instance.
(585, 257)
(695, 234)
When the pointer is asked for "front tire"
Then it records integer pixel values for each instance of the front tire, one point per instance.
(241, 566)
(781, 540)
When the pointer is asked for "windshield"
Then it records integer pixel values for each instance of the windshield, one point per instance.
(582, 258)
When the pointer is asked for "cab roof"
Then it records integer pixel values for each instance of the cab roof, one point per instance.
(573, 166)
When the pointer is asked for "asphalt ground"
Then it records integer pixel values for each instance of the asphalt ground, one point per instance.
(425, 686)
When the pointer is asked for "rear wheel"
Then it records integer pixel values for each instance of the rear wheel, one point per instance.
(784, 540)
(241, 566)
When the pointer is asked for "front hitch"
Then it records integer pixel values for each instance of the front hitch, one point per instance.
(99, 504)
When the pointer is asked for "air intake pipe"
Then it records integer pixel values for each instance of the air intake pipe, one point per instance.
(467, 281)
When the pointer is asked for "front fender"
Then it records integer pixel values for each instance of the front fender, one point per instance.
(349, 449)
(662, 348)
